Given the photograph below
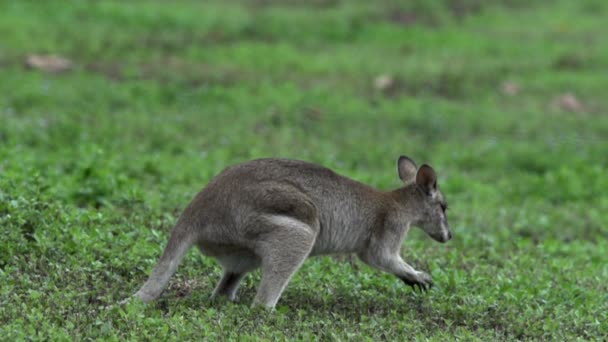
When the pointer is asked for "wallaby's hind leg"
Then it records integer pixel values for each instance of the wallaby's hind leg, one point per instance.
(283, 250)
(235, 267)
(179, 243)
(228, 285)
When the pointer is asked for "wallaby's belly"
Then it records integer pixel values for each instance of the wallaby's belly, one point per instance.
(340, 233)
(214, 249)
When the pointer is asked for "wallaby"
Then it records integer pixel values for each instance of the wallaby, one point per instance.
(275, 213)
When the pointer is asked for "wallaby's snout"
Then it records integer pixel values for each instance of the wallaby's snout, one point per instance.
(445, 236)
(446, 232)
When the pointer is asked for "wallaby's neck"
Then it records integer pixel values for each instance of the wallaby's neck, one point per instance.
(403, 194)
(404, 200)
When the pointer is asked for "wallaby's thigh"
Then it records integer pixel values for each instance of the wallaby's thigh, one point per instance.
(287, 242)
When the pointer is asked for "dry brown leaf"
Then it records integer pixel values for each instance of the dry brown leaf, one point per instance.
(384, 82)
(570, 102)
(48, 63)
(510, 88)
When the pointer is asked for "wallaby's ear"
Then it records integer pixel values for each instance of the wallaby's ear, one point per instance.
(426, 179)
(406, 168)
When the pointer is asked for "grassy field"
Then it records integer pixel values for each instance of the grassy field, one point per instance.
(506, 99)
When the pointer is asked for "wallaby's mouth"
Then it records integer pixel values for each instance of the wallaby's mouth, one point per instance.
(443, 237)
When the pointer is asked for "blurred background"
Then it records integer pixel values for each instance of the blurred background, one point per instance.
(113, 114)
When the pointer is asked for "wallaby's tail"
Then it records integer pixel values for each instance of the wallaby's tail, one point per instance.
(180, 242)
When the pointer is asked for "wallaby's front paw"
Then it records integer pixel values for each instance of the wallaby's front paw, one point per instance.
(421, 281)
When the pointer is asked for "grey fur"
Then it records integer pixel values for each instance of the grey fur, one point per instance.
(275, 213)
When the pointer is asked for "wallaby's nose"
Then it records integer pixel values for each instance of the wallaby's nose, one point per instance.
(449, 235)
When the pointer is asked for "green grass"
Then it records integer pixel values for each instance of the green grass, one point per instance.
(97, 163)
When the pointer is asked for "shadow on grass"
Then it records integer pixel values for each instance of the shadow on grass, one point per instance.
(348, 303)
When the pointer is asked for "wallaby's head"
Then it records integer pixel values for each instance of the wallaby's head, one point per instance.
(428, 203)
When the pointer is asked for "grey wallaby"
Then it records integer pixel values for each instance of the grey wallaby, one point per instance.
(275, 213)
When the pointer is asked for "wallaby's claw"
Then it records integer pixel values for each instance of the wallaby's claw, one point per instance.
(423, 282)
